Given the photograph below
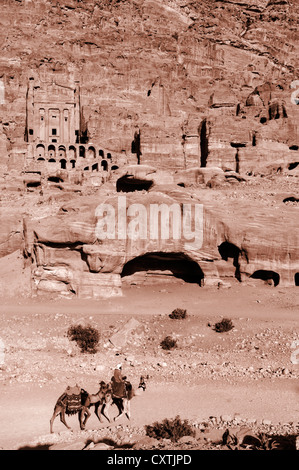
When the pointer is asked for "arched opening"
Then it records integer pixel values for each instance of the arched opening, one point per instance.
(61, 152)
(128, 184)
(114, 167)
(109, 155)
(229, 250)
(40, 159)
(72, 152)
(86, 168)
(40, 151)
(82, 151)
(73, 163)
(296, 279)
(104, 165)
(95, 167)
(270, 277)
(52, 160)
(63, 163)
(51, 151)
(91, 153)
(162, 267)
(101, 153)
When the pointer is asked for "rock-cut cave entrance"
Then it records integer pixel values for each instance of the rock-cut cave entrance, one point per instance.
(128, 183)
(229, 250)
(270, 277)
(161, 267)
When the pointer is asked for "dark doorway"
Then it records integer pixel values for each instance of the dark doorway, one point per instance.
(82, 151)
(136, 145)
(63, 164)
(104, 165)
(175, 265)
(267, 276)
(55, 179)
(229, 250)
(127, 184)
(204, 150)
(296, 278)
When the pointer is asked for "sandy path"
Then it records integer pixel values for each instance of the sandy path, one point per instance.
(27, 407)
(271, 401)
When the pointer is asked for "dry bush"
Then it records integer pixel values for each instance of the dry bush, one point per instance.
(168, 343)
(224, 325)
(178, 314)
(86, 337)
(172, 429)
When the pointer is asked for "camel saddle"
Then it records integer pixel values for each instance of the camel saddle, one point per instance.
(71, 399)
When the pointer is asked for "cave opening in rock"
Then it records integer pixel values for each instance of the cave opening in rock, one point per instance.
(33, 184)
(296, 279)
(162, 267)
(291, 199)
(63, 164)
(229, 250)
(203, 144)
(293, 165)
(104, 165)
(267, 276)
(55, 179)
(128, 183)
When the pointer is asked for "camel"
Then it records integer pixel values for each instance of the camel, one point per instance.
(97, 399)
(123, 404)
(77, 400)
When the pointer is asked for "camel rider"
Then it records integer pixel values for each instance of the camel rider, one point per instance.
(118, 382)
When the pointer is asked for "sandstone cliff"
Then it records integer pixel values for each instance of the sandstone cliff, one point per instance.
(204, 83)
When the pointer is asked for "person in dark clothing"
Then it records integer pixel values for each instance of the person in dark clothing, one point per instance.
(118, 383)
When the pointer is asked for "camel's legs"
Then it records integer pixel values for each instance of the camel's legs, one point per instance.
(104, 411)
(86, 413)
(128, 409)
(58, 411)
(52, 420)
(120, 406)
(96, 410)
(62, 418)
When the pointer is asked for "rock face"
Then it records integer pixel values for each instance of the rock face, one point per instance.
(155, 97)
(92, 247)
(174, 84)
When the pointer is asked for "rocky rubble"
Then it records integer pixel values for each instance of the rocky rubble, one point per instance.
(208, 435)
(136, 342)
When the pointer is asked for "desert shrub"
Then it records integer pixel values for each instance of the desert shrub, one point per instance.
(86, 337)
(172, 429)
(168, 343)
(178, 314)
(224, 325)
